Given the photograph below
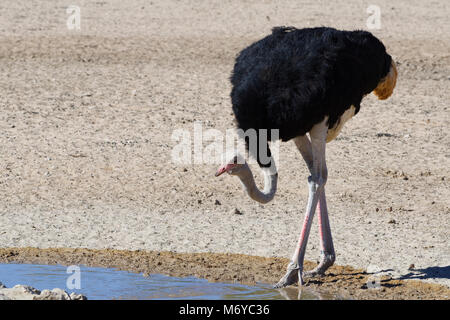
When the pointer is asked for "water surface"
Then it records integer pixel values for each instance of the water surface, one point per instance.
(106, 284)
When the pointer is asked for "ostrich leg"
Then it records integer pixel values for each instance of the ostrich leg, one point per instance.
(316, 183)
(326, 241)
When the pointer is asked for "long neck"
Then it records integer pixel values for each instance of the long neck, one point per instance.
(270, 184)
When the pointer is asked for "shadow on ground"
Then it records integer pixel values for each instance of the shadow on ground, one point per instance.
(428, 273)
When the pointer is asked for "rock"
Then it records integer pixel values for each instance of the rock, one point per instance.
(21, 292)
(55, 294)
(77, 296)
(236, 211)
(383, 134)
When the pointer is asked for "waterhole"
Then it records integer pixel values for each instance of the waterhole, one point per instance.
(107, 284)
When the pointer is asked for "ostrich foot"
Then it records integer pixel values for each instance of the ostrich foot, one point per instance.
(292, 276)
(326, 261)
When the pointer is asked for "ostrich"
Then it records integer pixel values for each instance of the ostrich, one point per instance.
(306, 83)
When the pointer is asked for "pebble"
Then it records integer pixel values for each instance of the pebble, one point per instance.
(236, 211)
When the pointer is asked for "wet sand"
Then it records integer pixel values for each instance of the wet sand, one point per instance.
(342, 281)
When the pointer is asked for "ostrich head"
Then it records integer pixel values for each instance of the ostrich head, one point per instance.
(233, 166)
(387, 84)
(237, 166)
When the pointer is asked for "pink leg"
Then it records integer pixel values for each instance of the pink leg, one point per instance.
(328, 255)
(295, 268)
(315, 191)
(326, 240)
(314, 155)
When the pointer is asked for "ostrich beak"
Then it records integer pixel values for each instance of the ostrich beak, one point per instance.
(224, 168)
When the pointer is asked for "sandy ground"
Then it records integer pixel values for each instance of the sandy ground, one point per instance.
(87, 119)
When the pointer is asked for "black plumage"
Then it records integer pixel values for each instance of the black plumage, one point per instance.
(293, 78)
